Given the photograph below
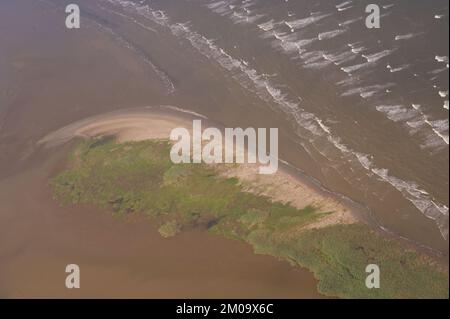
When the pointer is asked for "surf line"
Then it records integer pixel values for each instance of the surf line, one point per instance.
(211, 147)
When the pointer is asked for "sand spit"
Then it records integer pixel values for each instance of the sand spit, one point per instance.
(126, 125)
(286, 188)
(157, 122)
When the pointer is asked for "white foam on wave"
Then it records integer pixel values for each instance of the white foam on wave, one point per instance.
(350, 21)
(289, 26)
(443, 93)
(364, 160)
(288, 47)
(344, 9)
(438, 127)
(287, 37)
(221, 7)
(157, 16)
(312, 56)
(313, 60)
(262, 86)
(370, 58)
(368, 91)
(267, 26)
(415, 124)
(437, 71)
(358, 50)
(356, 47)
(340, 58)
(353, 68)
(305, 42)
(330, 34)
(305, 22)
(323, 126)
(249, 78)
(278, 36)
(421, 199)
(441, 58)
(348, 81)
(411, 191)
(343, 4)
(397, 113)
(405, 36)
(399, 68)
(418, 197)
(317, 65)
(238, 18)
(446, 105)
(377, 56)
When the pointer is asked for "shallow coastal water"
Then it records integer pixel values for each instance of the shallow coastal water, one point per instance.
(119, 258)
(359, 135)
(123, 257)
(363, 111)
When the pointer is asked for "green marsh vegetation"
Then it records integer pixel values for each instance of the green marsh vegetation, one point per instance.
(139, 178)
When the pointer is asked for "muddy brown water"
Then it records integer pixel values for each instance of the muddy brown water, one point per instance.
(123, 257)
(50, 78)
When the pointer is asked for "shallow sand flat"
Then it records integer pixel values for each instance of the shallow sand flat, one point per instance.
(127, 125)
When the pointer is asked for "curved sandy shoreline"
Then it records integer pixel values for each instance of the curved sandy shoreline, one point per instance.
(157, 122)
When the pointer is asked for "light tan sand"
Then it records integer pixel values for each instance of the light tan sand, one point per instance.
(283, 187)
(130, 125)
(142, 124)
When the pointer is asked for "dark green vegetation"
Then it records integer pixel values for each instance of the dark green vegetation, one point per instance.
(139, 177)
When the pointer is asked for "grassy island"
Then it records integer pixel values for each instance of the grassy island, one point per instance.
(139, 177)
